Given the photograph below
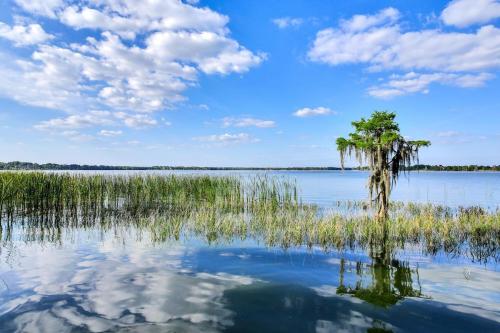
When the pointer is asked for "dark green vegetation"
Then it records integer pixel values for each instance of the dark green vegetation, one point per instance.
(222, 209)
(378, 142)
(472, 167)
(16, 165)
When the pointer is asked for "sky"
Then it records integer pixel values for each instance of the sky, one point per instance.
(244, 83)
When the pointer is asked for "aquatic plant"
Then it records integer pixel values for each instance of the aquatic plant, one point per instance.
(63, 196)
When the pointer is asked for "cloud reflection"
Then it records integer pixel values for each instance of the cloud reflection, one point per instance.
(108, 286)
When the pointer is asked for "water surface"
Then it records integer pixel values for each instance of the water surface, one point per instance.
(91, 280)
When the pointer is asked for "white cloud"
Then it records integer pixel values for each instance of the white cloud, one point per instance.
(48, 81)
(247, 122)
(285, 22)
(92, 118)
(76, 136)
(98, 118)
(139, 56)
(310, 112)
(387, 47)
(463, 13)
(447, 134)
(336, 47)
(41, 7)
(417, 82)
(211, 52)
(110, 133)
(455, 137)
(128, 15)
(455, 58)
(136, 120)
(227, 138)
(91, 18)
(22, 35)
(363, 22)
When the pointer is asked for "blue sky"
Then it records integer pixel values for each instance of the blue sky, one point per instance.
(244, 83)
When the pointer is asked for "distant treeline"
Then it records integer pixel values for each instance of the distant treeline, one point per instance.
(455, 167)
(16, 165)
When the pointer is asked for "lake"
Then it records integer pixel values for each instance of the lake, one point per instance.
(91, 280)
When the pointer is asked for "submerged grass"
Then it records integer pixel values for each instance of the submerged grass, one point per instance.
(222, 209)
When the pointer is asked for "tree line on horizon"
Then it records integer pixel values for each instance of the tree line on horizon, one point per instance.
(17, 165)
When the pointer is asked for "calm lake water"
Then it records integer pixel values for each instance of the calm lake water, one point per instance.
(120, 280)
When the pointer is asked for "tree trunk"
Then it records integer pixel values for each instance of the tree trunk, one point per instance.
(383, 202)
(384, 186)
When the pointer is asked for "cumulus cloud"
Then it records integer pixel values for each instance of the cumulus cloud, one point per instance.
(109, 133)
(417, 82)
(41, 7)
(463, 13)
(363, 22)
(136, 120)
(47, 82)
(98, 118)
(380, 42)
(227, 138)
(203, 49)
(387, 47)
(22, 35)
(247, 122)
(92, 118)
(286, 22)
(138, 57)
(310, 112)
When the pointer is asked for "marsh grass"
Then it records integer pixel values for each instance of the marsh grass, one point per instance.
(225, 209)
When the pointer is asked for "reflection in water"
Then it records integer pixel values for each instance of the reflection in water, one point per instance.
(295, 308)
(123, 281)
(470, 233)
(388, 283)
(112, 287)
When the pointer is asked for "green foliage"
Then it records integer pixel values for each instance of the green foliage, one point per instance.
(378, 141)
(471, 168)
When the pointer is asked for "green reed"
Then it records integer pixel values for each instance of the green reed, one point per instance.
(222, 209)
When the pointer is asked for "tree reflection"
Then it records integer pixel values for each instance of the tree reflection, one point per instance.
(388, 281)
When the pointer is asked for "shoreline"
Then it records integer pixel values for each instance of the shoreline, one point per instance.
(28, 166)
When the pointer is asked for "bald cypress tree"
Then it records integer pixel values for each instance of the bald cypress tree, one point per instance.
(378, 142)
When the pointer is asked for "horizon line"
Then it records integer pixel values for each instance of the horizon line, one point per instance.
(23, 165)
